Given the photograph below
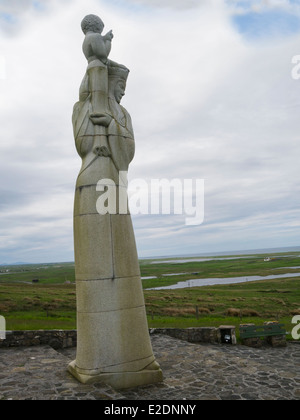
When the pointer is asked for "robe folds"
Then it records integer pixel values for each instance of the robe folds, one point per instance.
(112, 326)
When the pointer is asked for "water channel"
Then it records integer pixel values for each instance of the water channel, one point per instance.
(221, 281)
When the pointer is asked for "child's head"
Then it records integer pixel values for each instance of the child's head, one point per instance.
(92, 23)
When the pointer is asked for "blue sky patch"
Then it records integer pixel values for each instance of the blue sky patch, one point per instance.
(38, 5)
(255, 25)
(7, 17)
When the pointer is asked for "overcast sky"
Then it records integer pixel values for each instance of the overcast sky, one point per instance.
(211, 95)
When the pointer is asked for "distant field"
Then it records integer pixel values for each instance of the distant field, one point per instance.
(252, 266)
(51, 303)
(45, 273)
(230, 304)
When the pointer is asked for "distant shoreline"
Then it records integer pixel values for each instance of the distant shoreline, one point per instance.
(260, 251)
(266, 251)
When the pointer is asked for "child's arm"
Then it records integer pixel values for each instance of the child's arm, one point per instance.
(99, 47)
(107, 41)
(109, 36)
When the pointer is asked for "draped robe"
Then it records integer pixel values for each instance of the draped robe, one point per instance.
(112, 326)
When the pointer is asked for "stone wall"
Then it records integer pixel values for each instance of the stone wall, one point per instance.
(55, 338)
(193, 335)
(68, 338)
(257, 342)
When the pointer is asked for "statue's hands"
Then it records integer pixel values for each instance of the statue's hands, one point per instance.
(109, 36)
(101, 119)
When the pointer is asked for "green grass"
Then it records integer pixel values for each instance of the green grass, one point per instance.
(234, 304)
(45, 273)
(51, 303)
(38, 306)
(40, 321)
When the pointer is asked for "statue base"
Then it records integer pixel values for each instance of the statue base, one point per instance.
(150, 375)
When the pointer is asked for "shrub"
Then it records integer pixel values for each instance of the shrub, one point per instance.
(295, 312)
(233, 312)
(249, 312)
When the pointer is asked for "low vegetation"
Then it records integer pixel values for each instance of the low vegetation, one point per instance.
(50, 303)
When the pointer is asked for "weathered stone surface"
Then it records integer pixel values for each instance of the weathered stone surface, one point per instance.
(277, 341)
(91, 295)
(274, 341)
(113, 339)
(193, 335)
(191, 372)
(255, 342)
(55, 338)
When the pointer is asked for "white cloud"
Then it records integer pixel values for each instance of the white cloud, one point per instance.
(205, 104)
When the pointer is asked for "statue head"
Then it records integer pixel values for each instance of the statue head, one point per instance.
(117, 78)
(92, 23)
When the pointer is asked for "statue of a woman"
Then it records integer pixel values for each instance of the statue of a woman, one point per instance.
(113, 343)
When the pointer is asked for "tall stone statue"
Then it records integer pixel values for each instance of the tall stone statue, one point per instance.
(113, 339)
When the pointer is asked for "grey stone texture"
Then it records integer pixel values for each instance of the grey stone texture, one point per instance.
(113, 343)
(191, 372)
(57, 339)
(61, 339)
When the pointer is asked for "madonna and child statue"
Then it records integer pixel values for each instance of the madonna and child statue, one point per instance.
(113, 342)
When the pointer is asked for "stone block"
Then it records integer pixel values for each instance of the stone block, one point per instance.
(277, 341)
(109, 295)
(101, 168)
(255, 342)
(113, 341)
(203, 335)
(120, 380)
(94, 258)
(88, 200)
(125, 257)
